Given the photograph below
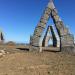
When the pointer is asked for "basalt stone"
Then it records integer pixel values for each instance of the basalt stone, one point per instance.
(47, 11)
(38, 31)
(68, 50)
(42, 25)
(43, 20)
(1, 38)
(34, 48)
(45, 16)
(67, 40)
(56, 18)
(54, 12)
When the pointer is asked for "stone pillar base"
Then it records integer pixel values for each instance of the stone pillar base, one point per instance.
(69, 50)
(67, 40)
(36, 49)
(33, 48)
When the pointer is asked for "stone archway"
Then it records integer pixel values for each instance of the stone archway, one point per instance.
(66, 39)
(49, 35)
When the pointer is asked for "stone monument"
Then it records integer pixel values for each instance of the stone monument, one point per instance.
(66, 39)
(1, 37)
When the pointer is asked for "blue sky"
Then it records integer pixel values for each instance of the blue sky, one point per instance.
(18, 18)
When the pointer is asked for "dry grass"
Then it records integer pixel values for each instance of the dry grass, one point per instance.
(32, 63)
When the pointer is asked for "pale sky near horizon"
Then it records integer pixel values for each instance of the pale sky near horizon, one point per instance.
(18, 18)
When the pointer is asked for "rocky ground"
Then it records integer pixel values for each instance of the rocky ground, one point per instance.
(16, 62)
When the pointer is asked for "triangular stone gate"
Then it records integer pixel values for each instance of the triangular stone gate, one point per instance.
(49, 35)
(66, 39)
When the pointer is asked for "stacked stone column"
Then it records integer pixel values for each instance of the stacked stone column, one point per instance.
(1, 38)
(54, 37)
(40, 27)
(66, 38)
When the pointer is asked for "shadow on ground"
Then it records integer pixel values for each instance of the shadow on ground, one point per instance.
(23, 49)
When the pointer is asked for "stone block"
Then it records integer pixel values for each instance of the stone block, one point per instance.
(1, 38)
(59, 24)
(43, 25)
(35, 41)
(45, 16)
(34, 48)
(56, 18)
(47, 11)
(54, 12)
(38, 31)
(43, 20)
(67, 40)
(64, 31)
(58, 27)
(61, 28)
(68, 50)
(51, 5)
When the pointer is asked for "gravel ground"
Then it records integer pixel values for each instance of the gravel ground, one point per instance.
(32, 63)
